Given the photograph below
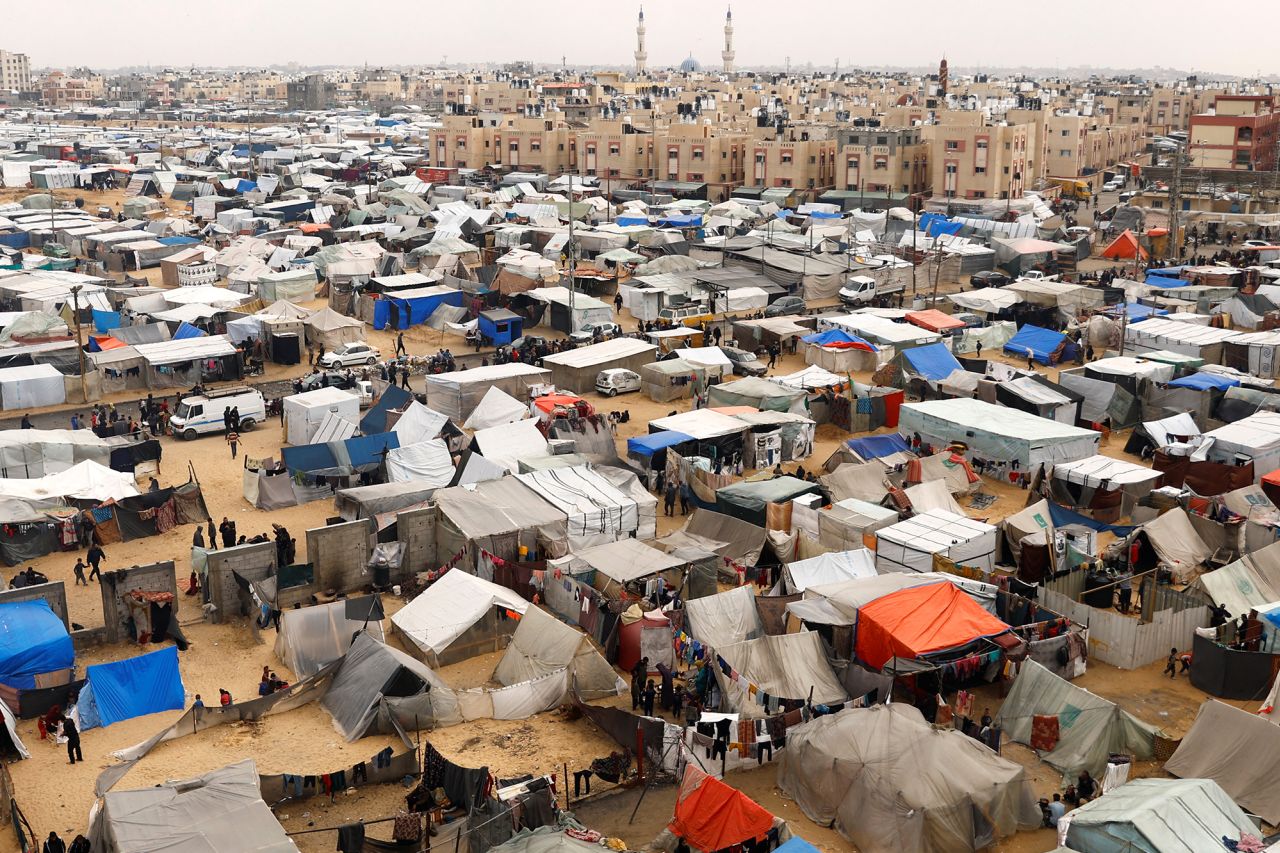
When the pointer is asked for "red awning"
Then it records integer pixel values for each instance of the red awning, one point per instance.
(934, 320)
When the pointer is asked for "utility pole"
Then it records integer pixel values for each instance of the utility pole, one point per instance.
(75, 301)
(572, 265)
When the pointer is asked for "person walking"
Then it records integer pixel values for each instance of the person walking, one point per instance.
(686, 495)
(72, 734)
(400, 350)
(213, 537)
(75, 421)
(404, 378)
(617, 303)
(233, 439)
(78, 568)
(669, 498)
(638, 674)
(197, 539)
(650, 693)
(26, 421)
(1171, 665)
(95, 556)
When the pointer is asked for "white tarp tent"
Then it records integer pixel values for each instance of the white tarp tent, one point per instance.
(496, 408)
(457, 608)
(28, 453)
(31, 387)
(303, 413)
(598, 511)
(786, 666)
(909, 546)
(724, 618)
(427, 462)
(86, 480)
(543, 645)
(831, 567)
(997, 432)
(311, 638)
(507, 444)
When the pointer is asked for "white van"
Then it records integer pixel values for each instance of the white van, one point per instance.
(617, 380)
(202, 413)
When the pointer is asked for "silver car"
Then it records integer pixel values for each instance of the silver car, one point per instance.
(349, 355)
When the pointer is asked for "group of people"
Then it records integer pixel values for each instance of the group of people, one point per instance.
(1084, 790)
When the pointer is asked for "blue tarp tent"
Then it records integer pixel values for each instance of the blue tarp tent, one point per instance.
(647, 445)
(1042, 343)
(1205, 382)
(178, 240)
(1136, 311)
(33, 641)
(105, 320)
(131, 688)
(367, 449)
(243, 186)
(633, 220)
(690, 220)
(1062, 517)
(933, 361)
(876, 446)
(362, 451)
(186, 330)
(1163, 281)
(935, 224)
(417, 308)
(375, 420)
(796, 844)
(822, 214)
(837, 336)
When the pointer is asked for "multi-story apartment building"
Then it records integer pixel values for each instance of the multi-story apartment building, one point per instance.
(883, 159)
(59, 90)
(972, 160)
(1239, 134)
(15, 72)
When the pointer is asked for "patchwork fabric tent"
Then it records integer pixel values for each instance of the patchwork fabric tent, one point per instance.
(1090, 728)
(1159, 816)
(456, 617)
(219, 811)
(910, 545)
(892, 783)
(597, 511)
(918, 621)
(1236, 749)
(544, 646)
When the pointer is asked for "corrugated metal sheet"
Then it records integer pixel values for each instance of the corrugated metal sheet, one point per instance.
(1126, 642)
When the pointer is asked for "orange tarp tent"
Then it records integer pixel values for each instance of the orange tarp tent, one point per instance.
(711, 815)
(934, 320)
(1125, 246)
(920, 620)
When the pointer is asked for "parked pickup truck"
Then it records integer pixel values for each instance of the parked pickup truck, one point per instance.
(862, 290)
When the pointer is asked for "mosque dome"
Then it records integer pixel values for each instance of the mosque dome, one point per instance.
(690, 65)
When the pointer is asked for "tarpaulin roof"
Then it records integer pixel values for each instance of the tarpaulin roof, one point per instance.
(914, 622)
(1205, 382)
(33, 641)
(711, 815)
(1159, 816)
(1164, 281)
(450, 606)
(933, 361)
(934, 320)
(1041, 343)
(789, 666)
(136, 686)
(647, 445)
(876, 446)
(1236, 749)
(839, 339)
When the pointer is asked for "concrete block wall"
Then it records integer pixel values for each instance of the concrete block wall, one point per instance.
(339, 555)
(54, 592)
(156, 577)
(252, 562)
(416, 530)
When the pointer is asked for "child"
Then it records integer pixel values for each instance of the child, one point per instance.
(1170, 666)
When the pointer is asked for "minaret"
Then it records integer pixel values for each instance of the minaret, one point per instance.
(641, 56)
(942, 77)
(727, 53)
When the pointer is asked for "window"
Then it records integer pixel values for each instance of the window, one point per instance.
(981, 145)
(785, 157)
(953, 145)
(979, 170)
(812, 159)
(614, 149)
(1064, 152)
(535, 145)
(882, 140)
(696, 177)
(1065, 132)
(784, 182)
(697, 154)
(614, 173)
(881, 163)
(979, 194)
(951, 168)
(1006, 170)
(724, 154)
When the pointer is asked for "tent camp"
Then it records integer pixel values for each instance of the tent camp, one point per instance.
(1247, 583)
(576, 369)
(31, 387)
(597, 511)
(1090, 728)
(753, 500)
(909, 546)
(711, 815)
(331, 330)
(892, 783)
(33, 643)
(496, 407)
(1236, 749)
(305, 412)
(458, 617)
(457, 394)
(498, 516)
(757, 393)
(1125, 246)
(862, 480)
(786, 666)
(220, 811)
(1159, 816)
(933, 362)
(124, 689)
(1176, 544)
(544, 646)
(1044, 345)
(831, 567)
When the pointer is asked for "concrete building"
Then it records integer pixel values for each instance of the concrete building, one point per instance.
(978, 161)
(312, 92)
(1240, 134)
(883, 159)
(15, 72)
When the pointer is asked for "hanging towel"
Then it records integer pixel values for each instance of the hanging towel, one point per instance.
(1044, 732)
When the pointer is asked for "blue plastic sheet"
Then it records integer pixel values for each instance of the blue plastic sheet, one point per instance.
(375, 420)
(105, 320)
(133, 687)
(933, 361)
(1041, 342)
(1162, 281)
(368, 449)
(647, 445)
(837, 336)
(1205, 382)
(186, 330)
(876, 446)
(1062, 516)
(33, 641)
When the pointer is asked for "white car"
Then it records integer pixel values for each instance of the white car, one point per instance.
(1258, 244)
(349, 355)
(617, 380)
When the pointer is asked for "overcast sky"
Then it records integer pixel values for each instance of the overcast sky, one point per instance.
(989, 34)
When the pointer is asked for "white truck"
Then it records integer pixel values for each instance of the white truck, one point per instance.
(861, 290)
(203, 413)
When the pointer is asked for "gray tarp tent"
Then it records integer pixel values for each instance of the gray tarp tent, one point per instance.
(892, 783)
(219, 812)
(1090, 728)
(1158, 816)
(543, 644)
(724, 618)
(1236, 749)
(788, 666)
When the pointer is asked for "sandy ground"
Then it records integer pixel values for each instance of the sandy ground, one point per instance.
(57, 797)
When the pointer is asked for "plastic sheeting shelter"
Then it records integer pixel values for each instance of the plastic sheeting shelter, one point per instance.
(1044, 345)
(219, 812)
(458, 393)
(1090, 728)
(134, 687)
(1126, 245)
(760, 394)
(891, 783)
(311, 638)
(455, 617)
(31, 387)
(919, 621)
(1158, 816)
(997, 432)
(543, 645)
(33, 641)
(933, 361)
(1236, 749)
(496, 408)
(787, 666)
(909, 545)
(828, 568)
(597, 511)
(711, 815)
(305, 412)
(508, 443)
(724, 618)
(750, 500)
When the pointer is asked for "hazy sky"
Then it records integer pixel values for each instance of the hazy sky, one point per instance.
(989, 33)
